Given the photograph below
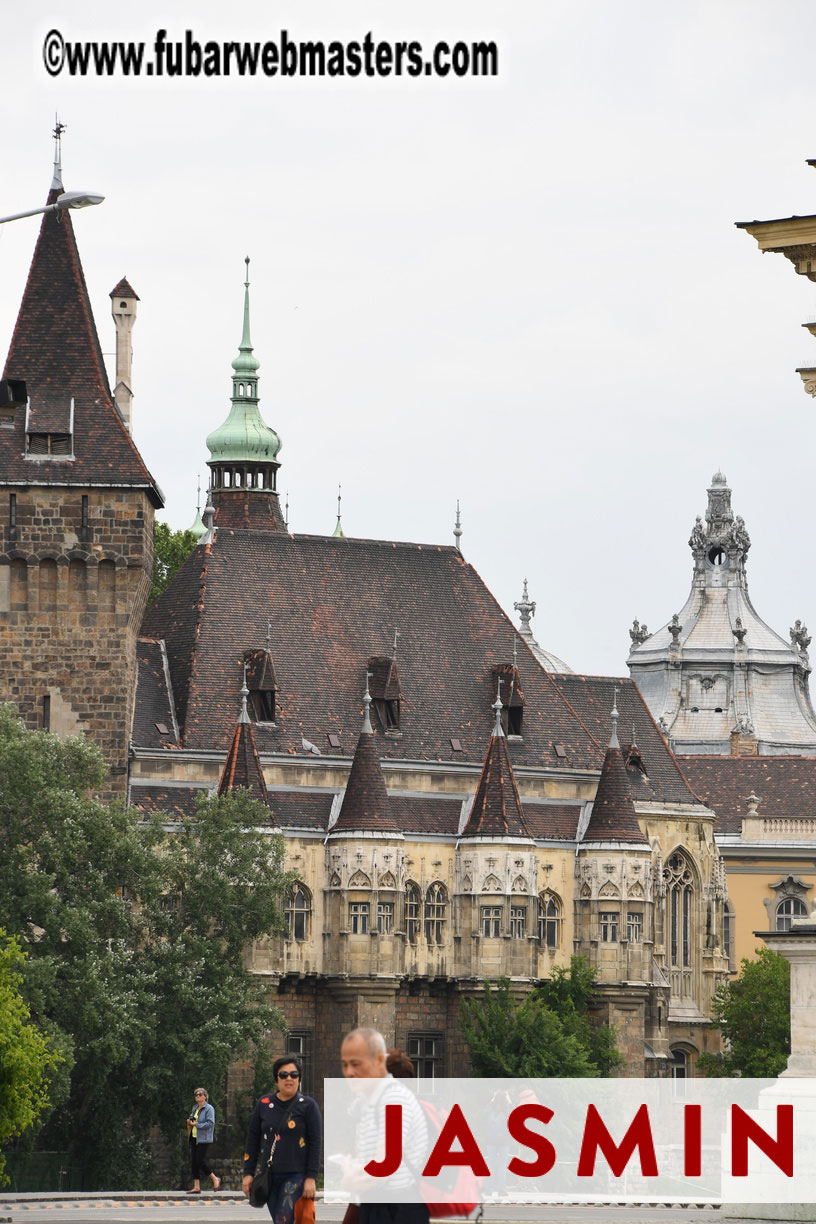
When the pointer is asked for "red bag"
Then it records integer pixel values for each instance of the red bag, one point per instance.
(464, 1197)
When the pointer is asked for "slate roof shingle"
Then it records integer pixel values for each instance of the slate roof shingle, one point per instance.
(786, 786)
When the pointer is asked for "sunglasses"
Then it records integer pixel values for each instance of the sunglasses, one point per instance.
(288, 1075)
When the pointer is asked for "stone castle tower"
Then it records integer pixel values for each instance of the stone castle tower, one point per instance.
(76, 515)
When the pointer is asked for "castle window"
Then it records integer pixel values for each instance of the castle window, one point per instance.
(412, 913)
(298, 912)
(48, 444)
(426, 1052)
(384, 687)
(358, 917)
(491, 921)
(436, 900)
(385, 917)
(787, 910)
(260, 678)
(634, 926)
(12, 510)
(84, 522)
(299, 1045)
(679, 897)
(46, 712)
(609, 926)
(518, 921)
(549, 920)
(48, 585)
(512, 698)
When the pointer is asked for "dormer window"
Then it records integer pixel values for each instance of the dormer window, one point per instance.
(260, 678)
(49, 429)
(384, 687)
(512, 698)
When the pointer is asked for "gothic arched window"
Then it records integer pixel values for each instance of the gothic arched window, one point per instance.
(412, 903)
(549, 920)
(298, 912)
(679, 879)
(436, 901)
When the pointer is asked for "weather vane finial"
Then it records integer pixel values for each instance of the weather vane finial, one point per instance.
(59, 128)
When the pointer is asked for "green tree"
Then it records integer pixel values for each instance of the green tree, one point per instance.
(136, 932)
(546, 1034)
(753, 1014)
(27, 1055)
(170, 550)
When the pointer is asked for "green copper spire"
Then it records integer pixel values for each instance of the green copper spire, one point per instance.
(198, 527)
(338, 530)
(244, 436)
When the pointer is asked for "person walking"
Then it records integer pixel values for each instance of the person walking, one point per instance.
(363, 1056)
(201, 1132)
(287, 1125)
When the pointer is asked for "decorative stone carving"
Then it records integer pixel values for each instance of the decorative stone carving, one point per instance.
(387, 880)
(638, 633)
(799, 635)
(609, 890)
(697, 539)
(467, 884)
(739, 631)
(492, 884)
(586, 892)
(519, 885)
(675, 629)
(359, 880)
(335, 880)
(636, 892)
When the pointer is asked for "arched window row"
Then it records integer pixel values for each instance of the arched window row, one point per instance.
(678, 875)
(299, 912)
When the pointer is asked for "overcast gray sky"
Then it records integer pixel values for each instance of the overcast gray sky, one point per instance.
(524, 292)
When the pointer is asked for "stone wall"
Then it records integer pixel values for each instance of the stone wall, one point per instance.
(75, 573)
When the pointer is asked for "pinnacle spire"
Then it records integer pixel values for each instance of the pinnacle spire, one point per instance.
(365, 806)
(613, 817)
(243, 765)
(497, 810)
(56, 181)
(338, 529)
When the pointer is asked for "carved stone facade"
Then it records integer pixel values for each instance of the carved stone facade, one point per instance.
(717, 679)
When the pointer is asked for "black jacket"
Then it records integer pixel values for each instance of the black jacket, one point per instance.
(301, 1136)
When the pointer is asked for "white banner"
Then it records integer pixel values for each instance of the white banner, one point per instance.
(584, 1140)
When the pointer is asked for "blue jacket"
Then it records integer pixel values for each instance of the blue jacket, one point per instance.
(205, 1126)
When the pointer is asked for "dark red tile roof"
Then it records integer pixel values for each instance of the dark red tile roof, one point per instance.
(333, 605)
(123, 290)
(243, 767)
(613, 812)
(592, 697)
(174, 802)
(497, 810)
(301, 809)
(786, 786)
(153, 708)
(366, 807)
(55, 350)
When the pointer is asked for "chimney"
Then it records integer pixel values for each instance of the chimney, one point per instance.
(123, 309)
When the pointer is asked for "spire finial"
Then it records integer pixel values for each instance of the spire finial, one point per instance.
(198, 493)
(457, 529)
(397, 635)
(613, 739)
(338, 528)
(244, 716)
(59, 128)
(525, 608)
(515, 651)
(498, 730)
(367, 728)
(286, 512)
(269, 637)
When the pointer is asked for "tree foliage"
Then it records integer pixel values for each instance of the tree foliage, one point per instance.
(753, 1014)
(170, 550)
(546, 1034)
(27, 1055)
(136, 933)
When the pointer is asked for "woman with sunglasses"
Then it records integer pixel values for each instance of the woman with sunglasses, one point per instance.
(289, 1123)
(200, 1132)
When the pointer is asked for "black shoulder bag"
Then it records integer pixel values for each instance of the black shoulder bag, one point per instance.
(262, 1182)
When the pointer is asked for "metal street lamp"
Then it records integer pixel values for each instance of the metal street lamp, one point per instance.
(68, 199)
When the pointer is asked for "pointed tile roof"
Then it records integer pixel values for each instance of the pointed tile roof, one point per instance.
(123, 290)
(55, 350)
(613, 816)
(365, 807)
(243, 765)
(497, 810)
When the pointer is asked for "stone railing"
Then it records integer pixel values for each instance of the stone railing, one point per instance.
(778, 828)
